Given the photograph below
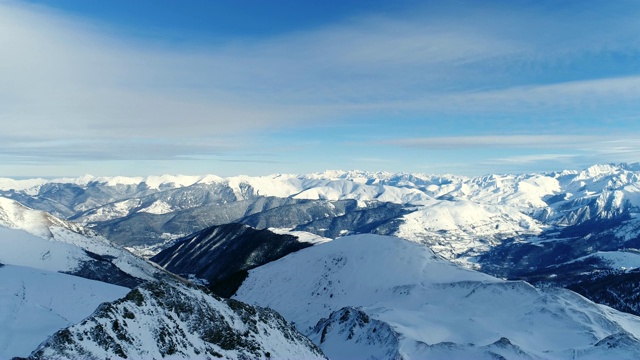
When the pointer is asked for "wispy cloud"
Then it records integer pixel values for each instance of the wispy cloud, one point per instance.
(256, 161)
(373, 160)
(114, 149)
(572, 95)
(534, 158)
(494, 141)
(516, 153)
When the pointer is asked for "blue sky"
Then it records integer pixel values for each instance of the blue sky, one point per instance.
(260, 87)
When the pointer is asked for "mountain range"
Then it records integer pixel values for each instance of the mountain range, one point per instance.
(418, 274)
(442, 211)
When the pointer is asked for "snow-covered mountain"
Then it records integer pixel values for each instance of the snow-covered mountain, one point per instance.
(39, 296)
(458, 216)
(178, 321)
(362, 296)
(48, 278)
(36, 303)
(39, 240)
(369, 296)
(512, 226)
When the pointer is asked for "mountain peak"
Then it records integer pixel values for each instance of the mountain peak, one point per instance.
(178, 321)
(437, 309)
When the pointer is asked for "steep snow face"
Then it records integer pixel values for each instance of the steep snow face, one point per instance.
(35, 303)
(39, 240)
(177, 321)
(435, 308)
(24, 249)
(17, 216)
(358, 270)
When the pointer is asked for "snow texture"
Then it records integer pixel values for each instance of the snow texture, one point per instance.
(178, 321)
(39, 240)
(434, 308)
(36, 303)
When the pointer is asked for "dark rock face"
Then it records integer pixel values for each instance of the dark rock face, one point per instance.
(222, 254)
(562, 260)
(101, 268)
(377, 218)
(618, 289)
(161, 319)
(513, 259)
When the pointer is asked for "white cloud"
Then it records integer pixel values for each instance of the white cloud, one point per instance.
(72, 89)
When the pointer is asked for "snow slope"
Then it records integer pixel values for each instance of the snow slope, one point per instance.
(24, 249)
(36, 303)
(36, 239)
(16, 216)
(302, 236)
(431, 307)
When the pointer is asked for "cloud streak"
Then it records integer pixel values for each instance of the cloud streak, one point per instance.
(533, 158)
(494, 141)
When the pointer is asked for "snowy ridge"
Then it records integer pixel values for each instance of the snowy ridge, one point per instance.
(158, 207)
(17, 216)
(24, 249)
(152, 182)
(113, 210)
(30, 186)
(36, 239)
(177, 321)
(437, 309)
(525, 189)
